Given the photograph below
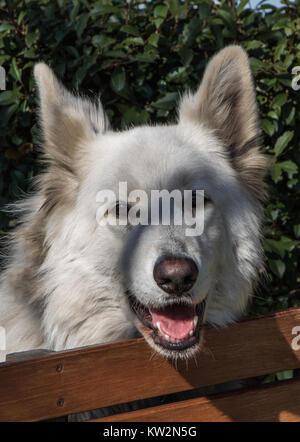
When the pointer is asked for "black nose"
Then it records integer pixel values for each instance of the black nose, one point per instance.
(175, 275)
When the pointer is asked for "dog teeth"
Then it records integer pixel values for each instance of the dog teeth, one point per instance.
(195, 321)
(167, 337)
(157, 325)
(191, 333)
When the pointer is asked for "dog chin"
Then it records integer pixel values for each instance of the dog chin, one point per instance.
(174, 329)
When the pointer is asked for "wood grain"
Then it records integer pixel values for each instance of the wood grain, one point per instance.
(98, 376)
(279, 402)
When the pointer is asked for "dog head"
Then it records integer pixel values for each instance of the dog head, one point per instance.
(171, 282)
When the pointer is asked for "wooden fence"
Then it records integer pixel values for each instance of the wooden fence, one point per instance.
(35, 386)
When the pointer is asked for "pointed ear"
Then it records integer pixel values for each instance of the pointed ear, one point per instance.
(68, 125)
(68, 122)
(225, 103)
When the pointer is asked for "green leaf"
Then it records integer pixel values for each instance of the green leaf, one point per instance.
(186, 55)
(289, 59)
(227, 18)
(133, 41)
(6, 27)
(297, 230)
(8, 97)
(282, 142)
(272, 245)
(15, 70)
(204, 10)
(160, 11)
(153, 39)
(280, 50)
(276, 172)
(290, 167)
(79, 76)
(191, 30)
(254, 44)
(6, 113)
(31, 38)
(273, 114)
(278, 267)
(269, 378)
(268, 126)
(102, 41)
(134, 116)
(177, 75)
(174, 6)
(241, 6)
(118, 80)
(284, 244)
(256, 64)
(158, 22)
(166, 102)
(288, 243)
(285, 375)
(21, 16)
(279, 100)
(290, 119)
(30, 53)
(75, 9)
(81, 23)
(103, 9)
(131, 30)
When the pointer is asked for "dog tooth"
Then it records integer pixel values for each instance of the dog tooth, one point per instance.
(158, 326)
(195, 321)
(164, 334)
(191, 332)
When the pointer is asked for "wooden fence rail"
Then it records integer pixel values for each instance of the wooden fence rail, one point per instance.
(59, 383)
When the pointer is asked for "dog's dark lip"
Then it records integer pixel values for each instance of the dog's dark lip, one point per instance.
(140, 310)
(143, 314)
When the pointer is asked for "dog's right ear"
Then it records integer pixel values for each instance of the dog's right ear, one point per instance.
(68, 122)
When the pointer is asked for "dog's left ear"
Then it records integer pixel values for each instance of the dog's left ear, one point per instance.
(225, 103)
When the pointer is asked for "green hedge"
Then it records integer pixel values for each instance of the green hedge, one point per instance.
(140, 55)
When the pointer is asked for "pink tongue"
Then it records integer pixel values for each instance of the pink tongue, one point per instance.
(176, 321)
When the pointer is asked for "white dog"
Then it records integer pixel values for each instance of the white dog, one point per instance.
(72, 282)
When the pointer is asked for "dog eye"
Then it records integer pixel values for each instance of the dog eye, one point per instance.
(121, 208)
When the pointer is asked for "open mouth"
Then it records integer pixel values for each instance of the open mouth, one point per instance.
(174, 326)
